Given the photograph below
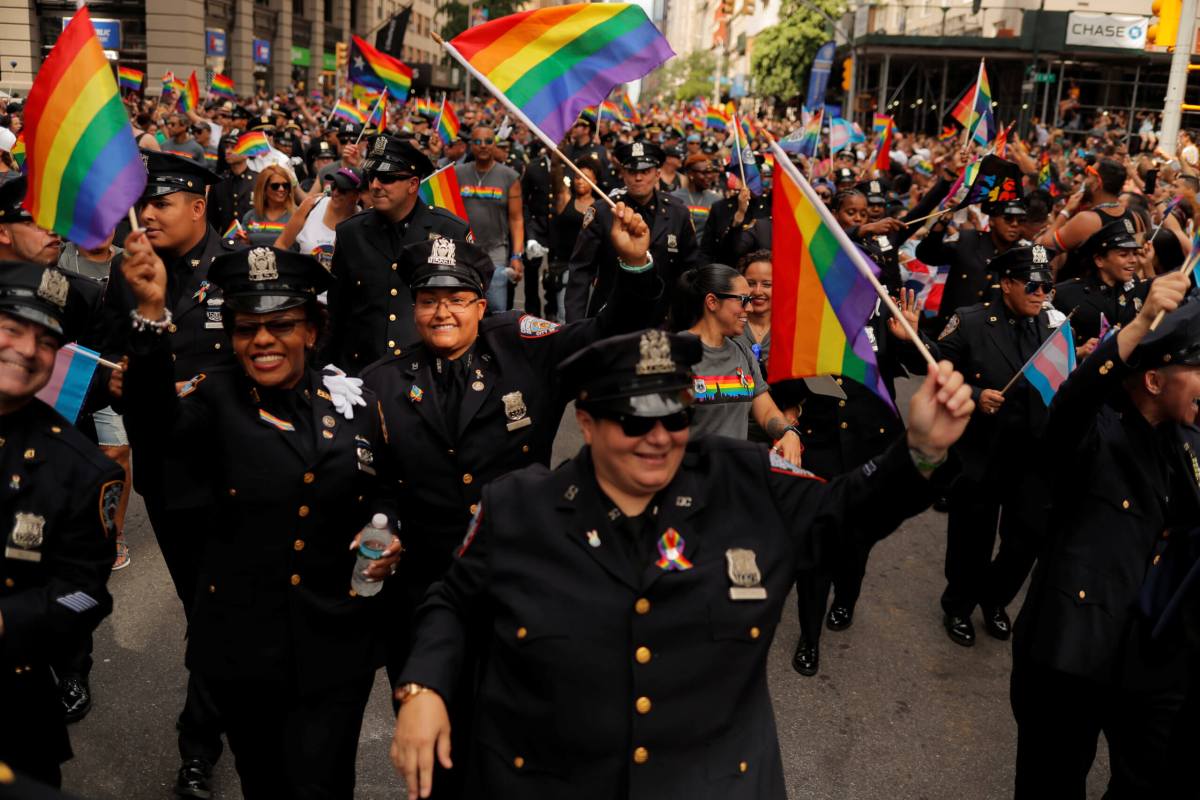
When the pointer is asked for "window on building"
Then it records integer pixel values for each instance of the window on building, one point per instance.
(353, 15)
(329, 10)
(298, 8)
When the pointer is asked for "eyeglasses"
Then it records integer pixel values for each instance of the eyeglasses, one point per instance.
(1032, 287)
(278, 187)
(388, 178)
(276, 327)
(455, 305)
(744, 299)
(483, 141)
(636, 427)
(1012, 219)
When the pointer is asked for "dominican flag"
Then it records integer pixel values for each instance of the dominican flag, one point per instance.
(928, 282)
(1052, 363)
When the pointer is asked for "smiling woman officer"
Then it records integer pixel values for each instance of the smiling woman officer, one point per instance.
(286, 646)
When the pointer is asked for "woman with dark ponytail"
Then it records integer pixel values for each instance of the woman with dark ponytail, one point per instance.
(711, 302)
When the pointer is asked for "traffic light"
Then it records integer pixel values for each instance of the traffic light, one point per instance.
(1164, 32)
(343, 54)
(847, 74)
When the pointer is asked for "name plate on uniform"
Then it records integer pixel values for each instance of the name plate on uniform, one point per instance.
(17, 554)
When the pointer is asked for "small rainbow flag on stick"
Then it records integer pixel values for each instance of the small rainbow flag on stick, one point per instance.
(371, 68)
(883, 155)
(83, 164)
(69, 382)
(252, 144)
(440, 190)
(426, 108)
(130, 78)
(447, 125)
(716, 119)
(221, 86)
(347, 112)
(189, 98)
(548, 63)
(628, 109)
(18, 151)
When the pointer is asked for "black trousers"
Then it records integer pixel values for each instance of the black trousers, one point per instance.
(973, 577)
(180, 536)
(812, 593)
(1059, 720)
(293, 745)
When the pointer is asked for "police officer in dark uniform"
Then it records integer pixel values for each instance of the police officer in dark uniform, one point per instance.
(57, 509)
(726, 219)
(172, 212)
(1001, 483)
(673, 247)
(370, 303)
(1089, 654)
(286, 646)
(1110, 288)
(627, 600)
(537, 203)
(232, 198)
(969, 278)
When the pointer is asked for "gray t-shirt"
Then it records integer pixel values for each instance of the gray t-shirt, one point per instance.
(189, 149)
(486, 199)
(725, 383)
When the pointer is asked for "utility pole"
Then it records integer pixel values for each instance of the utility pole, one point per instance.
(1177, 81)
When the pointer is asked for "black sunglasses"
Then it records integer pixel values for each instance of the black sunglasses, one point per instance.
(388, 178)
(744, 299)
(483, 141)
(277, 186)
(276, 327)
(635, 427)
(1032, 286)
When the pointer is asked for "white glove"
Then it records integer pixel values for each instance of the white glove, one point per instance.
(535, 249)
(346, 392)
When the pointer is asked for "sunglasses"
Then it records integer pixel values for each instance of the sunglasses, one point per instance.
(635, 427)
(1032, 286)
(483, 141)
(388, 178)
(278, 187)
(276, 327)
(744, 299)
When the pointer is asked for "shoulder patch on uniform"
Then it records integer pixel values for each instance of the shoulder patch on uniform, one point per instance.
(951, 326)
(536, 327)
(589, 215)
(110, 500)
(472, 531)
(191, 384)
(783, 466)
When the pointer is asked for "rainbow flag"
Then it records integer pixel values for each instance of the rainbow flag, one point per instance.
(130, 78)
(613, 111)
(948, 133)
(883, 156)
(233, 230)
(426, 108)
(369, 67)
(628, 109)
(74, 367)
(18, 151)
(189, 97)
(365, 96)
(1049, 367)
(551, 62)
(447, 124)
(221, 86)
(821, 300)
(440, 190)
(981, 121)
(251, 144)
(809, 136)
(265, 227)
(348, 112)
(83, 164)
(377, 116)
(1000, 145)
(715, 118)
(879, 122)
(589, 113)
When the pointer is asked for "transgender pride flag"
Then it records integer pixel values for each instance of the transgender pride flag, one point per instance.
(68, 386)
(1052, 363)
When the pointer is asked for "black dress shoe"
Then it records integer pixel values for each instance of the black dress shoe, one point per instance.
(997, 623)
(194, 779)
(807, 658)
(960, 629)
(941, 505)
(839, 618)
(76, 698)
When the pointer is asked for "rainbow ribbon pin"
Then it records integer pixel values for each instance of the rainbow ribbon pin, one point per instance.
(670, 547)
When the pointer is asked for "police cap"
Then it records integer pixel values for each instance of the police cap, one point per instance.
(348, 132)
(1119, 234)
(1175, 341)
(322, 149)
(644, 374)
(390, 155)
(1024, 261)
(639, 155)
(446, 264)
(844, 175)
(260, 280)
(1005, 208)
(170, 173)
(264, 123)
(43, 295)
(12, 193)
(875, 190)
(709, 146)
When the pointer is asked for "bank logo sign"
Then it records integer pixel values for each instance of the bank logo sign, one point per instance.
(1117, 31)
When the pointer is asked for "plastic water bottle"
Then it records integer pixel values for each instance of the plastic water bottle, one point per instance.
(374, 540)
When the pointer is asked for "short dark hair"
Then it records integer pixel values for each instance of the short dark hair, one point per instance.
(753, 257)
(1112, 175)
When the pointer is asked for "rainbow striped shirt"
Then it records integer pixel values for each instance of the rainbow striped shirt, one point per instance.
(471, 192)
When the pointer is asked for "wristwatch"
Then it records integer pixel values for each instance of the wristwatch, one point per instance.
(410, 690)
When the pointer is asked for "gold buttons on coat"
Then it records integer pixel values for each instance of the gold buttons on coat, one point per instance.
(295, 580)
(743, 766)
(298, 545)
(755, 632)
(642, 606)
(467, 478)
(304, 511)
(309, 477)
(641, 755)
(642, 654)
(643, 705)
(518, 762)
(522, 632)
(1082, 594)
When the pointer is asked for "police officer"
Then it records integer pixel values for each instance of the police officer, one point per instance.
(58, 509)
(1110, 288)
(1000, 484)
(729, 217)
(537, 204)
(286, 647)
(627, 600)
(1089, 654)
(969, 278)
(232, 198)
(172, 212)
(593, 265)
(370, 303)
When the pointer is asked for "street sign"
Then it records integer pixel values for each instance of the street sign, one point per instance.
(1044, 77)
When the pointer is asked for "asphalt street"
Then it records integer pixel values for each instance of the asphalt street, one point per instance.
(897, 710)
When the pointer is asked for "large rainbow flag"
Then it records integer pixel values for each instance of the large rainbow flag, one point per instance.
(189, 98)
(130, 78)
(551, 62)
(369, 67)
(441, 190)
(82, 162)
(251, 144)
(821, 300)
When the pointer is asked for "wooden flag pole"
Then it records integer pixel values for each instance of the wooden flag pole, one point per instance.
(371, 114)
(1188, 264)
(782, 161)
(943, 212)
(519, 114)
(1021, 371)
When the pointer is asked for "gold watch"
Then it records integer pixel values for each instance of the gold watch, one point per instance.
(410, 690)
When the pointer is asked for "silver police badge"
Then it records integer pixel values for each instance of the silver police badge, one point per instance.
(744, 575)
(442, 253)
(1040, 256)
(26, 537)
(54, 287)
(1128, 226)
(262, 265)
(638, 150)
(516, 411)
(655, 350)
(672, 242)
(381, 143)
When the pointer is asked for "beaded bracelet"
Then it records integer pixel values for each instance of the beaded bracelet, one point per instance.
(140, 323)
